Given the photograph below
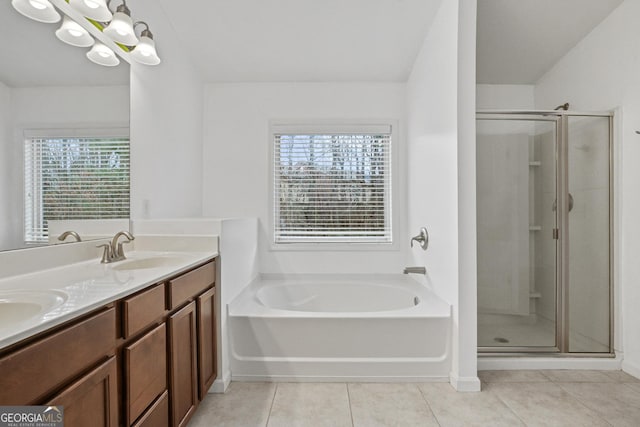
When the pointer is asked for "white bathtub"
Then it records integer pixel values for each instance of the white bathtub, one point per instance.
(349, 327)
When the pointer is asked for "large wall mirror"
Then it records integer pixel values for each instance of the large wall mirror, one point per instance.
(58, 110)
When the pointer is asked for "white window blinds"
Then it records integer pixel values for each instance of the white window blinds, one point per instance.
(332, 187)
(74, 178)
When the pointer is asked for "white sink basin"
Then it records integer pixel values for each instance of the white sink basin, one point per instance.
(21, 305)
(150, 262)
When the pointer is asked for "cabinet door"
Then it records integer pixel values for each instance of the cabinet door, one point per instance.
(93, 399)
(206, 341)
(145, 363)
(183, 373)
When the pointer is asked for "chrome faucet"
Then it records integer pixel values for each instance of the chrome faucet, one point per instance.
(114, 251)
(415, 270)
(69, 233)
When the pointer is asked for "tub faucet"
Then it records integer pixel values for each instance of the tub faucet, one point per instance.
(69, 233)
(415, 270)
(422, 238)
(114, 251)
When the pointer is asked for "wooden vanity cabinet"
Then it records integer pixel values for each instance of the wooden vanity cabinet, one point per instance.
(191, 340)
(145, 360)
(92, 400)
(183, 359)
(157, 415)
(206, 322)
(145, 369)
(40, 367)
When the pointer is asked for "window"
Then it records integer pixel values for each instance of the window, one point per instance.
(74, 178)
(332, 186)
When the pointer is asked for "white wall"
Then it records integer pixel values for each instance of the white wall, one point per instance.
(9, 221)
(505, 97)
(238, 267)
(433, 186)
(66, 107)
(237, 164)
(602, 73)
(30, 108)
(166, 127)
(465, 372)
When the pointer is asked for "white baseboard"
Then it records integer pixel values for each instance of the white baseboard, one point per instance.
(631, 368)
(464, 384)
(336, 379)
(220, 385)
(526, 363)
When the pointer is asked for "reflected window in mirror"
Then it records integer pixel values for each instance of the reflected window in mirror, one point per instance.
(46, 84)
(74, 178)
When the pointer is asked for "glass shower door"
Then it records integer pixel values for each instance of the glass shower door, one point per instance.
(517, 232)
(588, 291)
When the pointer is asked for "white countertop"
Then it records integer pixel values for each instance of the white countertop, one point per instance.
(78, 288)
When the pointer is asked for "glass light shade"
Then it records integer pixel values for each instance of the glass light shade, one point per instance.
(93, 9)
(145, 52)
(38, 10)
(72, 33)
(102, 55)
(120, 30)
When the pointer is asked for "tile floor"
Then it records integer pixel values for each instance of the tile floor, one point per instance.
(508, 398)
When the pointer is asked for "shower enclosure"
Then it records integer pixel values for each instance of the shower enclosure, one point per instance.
(544, 218)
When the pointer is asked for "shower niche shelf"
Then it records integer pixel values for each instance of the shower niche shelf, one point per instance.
(535, 163)
(535, 228)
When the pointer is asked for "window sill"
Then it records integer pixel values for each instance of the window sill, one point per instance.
(334, 247)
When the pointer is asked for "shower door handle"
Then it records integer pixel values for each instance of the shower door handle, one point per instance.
(555, 203)
(570, 202)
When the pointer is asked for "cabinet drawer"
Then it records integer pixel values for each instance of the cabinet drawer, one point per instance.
(188, 285)
(32, 372)
(146, 371)
(140, 310)
(157, 415)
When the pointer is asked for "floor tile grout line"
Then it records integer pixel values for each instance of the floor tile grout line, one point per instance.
(628, 386)
(273, 399)
(513, 411)
(581, 402)
(350, 409)
(435, 417)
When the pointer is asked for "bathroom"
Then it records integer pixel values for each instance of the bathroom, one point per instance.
(201, 126)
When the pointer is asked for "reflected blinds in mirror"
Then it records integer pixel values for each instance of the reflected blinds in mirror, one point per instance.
(74, 179)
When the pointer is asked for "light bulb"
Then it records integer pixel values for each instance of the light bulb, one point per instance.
(37, 5)
(145, 51)
(120, 29)
(92, 9)
(74, 34)
(38, 10)
(102, 55)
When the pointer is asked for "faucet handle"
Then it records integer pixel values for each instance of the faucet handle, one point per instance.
(120, 251)
(422, 238)
(106, 254)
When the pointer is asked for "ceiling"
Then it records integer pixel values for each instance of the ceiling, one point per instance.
(31, 55)
(315, 41)
(520, 40)
(302, 40)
